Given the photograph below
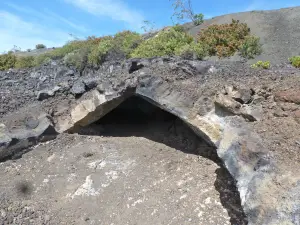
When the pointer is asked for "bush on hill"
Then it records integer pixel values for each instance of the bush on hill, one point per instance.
(7, 61)
(226, 39)
(172, 41)
(40, 46)
(221, 40)
(261, 64)
(123, 42)
(250, 47)
(295, 61)
(24, 62)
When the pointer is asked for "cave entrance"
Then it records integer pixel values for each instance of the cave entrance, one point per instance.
(137, 117)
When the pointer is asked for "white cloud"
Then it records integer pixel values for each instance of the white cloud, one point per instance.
(48, 16)
(16, 31)
(267, 5)
(114, 9)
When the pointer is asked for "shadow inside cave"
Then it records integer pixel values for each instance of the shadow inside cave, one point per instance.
(137, 117)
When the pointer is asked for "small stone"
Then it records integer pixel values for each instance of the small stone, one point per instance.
(70, 73)
(31, 123)
(78, 88)
(91, 82)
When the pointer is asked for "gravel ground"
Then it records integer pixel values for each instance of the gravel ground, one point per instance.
(158, 177)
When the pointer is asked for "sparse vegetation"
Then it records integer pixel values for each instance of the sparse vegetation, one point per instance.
(10, 61)
(295, 61)
(24, 62)
(78, 47)
(261, 64)
(183, 10)
(172, 41)
(221, 40)
(40, 46)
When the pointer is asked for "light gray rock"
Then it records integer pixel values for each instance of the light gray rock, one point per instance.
(47, 93)
(78, 88)
(5, 140)
(241, 95)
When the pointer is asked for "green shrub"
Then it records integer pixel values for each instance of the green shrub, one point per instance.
(7, 61)
(225, 39)
(200, 50)
(166, 42)
(40, 46)
(77, 58)
(261, 64)
(24, 62)
(98, 53)
(178, 28)
(190, 51)
(40, 59)
(295, 61)
(71, 46)
(198, 19)
(250, 47)
(126, 41)
(185, 51)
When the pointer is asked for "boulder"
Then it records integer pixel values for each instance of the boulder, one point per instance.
(14, 141)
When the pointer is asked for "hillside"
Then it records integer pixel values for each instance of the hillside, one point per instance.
(278, 30)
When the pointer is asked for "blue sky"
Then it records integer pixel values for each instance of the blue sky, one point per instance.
(25, 23)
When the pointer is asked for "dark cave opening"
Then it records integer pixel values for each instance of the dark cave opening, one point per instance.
(138, 117)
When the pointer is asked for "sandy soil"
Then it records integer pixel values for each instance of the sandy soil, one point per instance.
(160, 176)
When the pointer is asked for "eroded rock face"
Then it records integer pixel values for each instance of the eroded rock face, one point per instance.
(194, 92)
